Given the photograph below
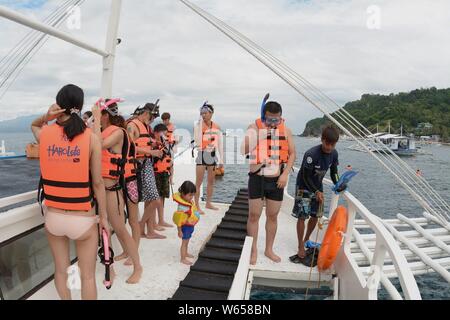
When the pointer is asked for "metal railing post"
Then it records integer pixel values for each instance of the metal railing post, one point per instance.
(111, 45)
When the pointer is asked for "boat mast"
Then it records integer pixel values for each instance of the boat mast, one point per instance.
(111, 44)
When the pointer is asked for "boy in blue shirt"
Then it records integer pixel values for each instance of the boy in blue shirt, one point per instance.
(309, 195)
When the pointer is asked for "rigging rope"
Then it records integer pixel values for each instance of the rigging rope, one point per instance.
(417, 187)
(19, 57)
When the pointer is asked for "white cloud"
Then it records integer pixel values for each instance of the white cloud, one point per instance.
(169, 53)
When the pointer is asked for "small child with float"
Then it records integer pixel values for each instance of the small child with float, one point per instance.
(185, 218)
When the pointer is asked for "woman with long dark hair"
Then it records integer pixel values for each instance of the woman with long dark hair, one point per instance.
(70, 161)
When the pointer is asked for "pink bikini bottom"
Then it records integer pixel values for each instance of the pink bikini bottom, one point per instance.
(70, 224)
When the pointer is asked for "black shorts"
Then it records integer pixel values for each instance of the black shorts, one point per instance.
(205, 158)
(264, 188)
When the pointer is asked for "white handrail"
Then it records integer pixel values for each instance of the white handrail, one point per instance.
(10, 201)
(385, 241)
(39, 26)
(239, 286)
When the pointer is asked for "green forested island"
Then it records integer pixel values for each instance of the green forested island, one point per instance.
(420, 112)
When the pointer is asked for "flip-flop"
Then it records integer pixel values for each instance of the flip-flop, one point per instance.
(296, 259)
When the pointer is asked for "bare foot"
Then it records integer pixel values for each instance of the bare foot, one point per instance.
(155, 236)
(121, 257)
(201, 212)
(211, 207)
(254, 258)
(272, 256)
(301, 253)
(190, 256)
(135, 277)
(186, 262)
(159, 228)
(165, 225)
(128, 263)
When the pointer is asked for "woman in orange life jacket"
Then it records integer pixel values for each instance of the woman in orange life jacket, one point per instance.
(115, 150)
(139, 132)
(161, 167)
(132, 197)
(71, 176)
(208, 139)
(272, 154)
(171, 139)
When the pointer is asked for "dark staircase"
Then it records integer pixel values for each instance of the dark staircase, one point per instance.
(212, 275)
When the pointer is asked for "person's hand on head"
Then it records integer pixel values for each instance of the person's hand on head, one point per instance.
(54, 112)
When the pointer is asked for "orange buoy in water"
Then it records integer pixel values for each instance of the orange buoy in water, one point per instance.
(220, 172)
(332, 241)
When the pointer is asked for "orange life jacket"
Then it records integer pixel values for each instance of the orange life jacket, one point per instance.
(113, 164)
(165, 164)
(65, 170)
(274, 149)
(170, 133)
(210, 137)
(144, 138)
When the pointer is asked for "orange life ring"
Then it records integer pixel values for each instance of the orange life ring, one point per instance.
(332, 241)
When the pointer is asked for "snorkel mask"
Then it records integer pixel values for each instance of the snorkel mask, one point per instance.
(105, 106)
(206, 108)
(153, 109)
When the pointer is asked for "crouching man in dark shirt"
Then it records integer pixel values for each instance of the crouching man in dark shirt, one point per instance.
(309, 192)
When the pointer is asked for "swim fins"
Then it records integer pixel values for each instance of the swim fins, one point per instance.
(343, 182)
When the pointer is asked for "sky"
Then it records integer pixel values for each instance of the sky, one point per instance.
(344, 47)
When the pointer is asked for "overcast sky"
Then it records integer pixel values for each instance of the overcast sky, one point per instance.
(170, 53)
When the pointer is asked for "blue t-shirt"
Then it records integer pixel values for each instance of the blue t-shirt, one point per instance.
(318, 163)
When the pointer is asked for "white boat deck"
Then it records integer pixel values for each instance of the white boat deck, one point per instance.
(286, 245)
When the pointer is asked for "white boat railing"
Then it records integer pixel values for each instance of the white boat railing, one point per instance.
(367, 288)
(14, 200)
(239, 286)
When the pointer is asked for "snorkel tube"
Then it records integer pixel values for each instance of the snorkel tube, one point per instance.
(263, 107)
(106, 255)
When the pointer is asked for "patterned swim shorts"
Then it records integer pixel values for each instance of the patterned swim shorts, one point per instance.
(149, 190)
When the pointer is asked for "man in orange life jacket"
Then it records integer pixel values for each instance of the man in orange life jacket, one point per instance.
(208, 139)
(172, 140)
(139, 132)
(272, 154)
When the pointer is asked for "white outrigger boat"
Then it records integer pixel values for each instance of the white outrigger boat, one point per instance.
(399, 144)
(374, 251)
